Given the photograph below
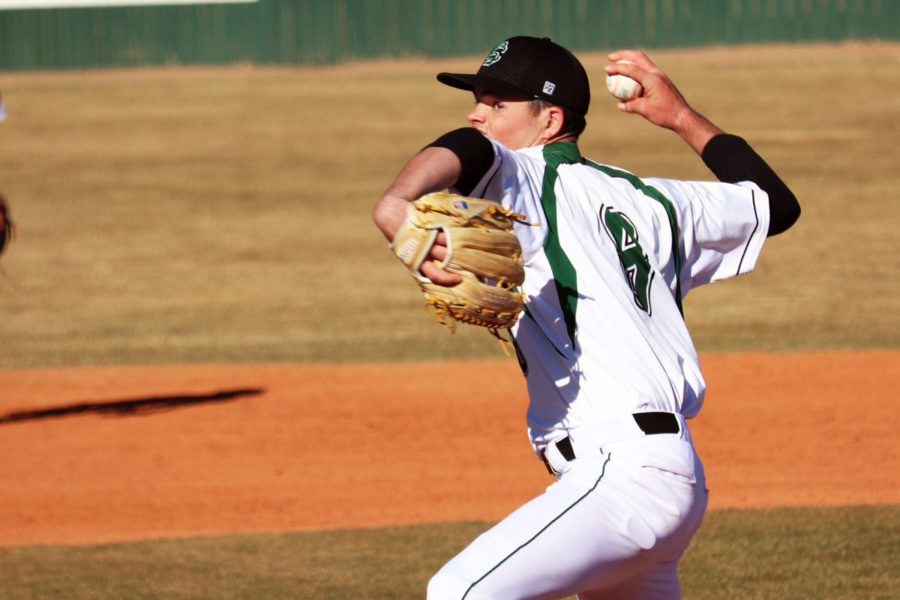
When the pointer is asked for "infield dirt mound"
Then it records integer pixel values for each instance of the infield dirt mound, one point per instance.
(105, 454)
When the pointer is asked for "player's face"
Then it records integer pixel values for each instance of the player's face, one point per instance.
(509, 120)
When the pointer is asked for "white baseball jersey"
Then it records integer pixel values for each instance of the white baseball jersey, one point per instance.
(602, 337)
(607, 262)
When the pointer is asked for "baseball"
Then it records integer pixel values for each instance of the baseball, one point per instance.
(623, 88)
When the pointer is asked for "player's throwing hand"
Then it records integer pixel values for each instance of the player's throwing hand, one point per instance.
(661, 103)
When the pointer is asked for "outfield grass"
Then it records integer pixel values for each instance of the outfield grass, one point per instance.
(185, 214)
(836, 553)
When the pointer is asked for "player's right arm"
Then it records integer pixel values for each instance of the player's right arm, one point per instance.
(733, 160)
(729, 157)
(661, 103)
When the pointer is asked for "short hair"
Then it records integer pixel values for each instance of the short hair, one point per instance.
(573, 123)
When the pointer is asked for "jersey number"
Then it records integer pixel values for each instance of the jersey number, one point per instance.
(634, 261)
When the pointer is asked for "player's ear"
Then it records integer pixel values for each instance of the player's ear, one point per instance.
(555, 118)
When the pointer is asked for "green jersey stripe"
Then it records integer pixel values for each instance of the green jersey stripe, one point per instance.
(564, 275)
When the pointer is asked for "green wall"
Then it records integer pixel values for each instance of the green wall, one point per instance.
(334, 31)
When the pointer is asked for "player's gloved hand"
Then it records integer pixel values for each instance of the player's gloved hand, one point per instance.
(436, 255)
(475, 241)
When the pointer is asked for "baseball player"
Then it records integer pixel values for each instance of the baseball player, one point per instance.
(611, 371)
(7, 227)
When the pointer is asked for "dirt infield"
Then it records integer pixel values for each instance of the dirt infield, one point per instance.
(90, 455)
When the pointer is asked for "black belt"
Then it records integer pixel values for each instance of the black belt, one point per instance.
(651, 423)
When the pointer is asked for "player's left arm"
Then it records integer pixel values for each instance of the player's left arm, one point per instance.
(457, 159)
(431, 170)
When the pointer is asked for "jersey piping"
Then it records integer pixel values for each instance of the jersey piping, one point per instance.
(755, 227)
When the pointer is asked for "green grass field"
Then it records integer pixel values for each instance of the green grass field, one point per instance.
(224, 214)
(188, 214)
(836, 553)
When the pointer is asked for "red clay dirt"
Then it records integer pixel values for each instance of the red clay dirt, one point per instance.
(108, 454)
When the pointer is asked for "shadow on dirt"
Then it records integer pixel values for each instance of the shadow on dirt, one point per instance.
(128, 408)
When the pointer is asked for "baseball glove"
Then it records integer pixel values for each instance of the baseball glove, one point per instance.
(6, 224)
(481, 247)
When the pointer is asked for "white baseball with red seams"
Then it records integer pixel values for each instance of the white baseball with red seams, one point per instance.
(623, 87)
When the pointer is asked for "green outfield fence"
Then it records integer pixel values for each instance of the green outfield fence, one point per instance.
(65, 34)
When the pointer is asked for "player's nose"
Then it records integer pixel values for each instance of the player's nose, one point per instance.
(476, 115)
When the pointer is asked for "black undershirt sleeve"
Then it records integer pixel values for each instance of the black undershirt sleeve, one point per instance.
(732, 159)
(475, 153)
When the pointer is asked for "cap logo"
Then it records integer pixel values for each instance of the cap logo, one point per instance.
(549, 87)
(496, 54)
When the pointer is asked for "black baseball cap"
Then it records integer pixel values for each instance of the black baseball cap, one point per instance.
(531, 67)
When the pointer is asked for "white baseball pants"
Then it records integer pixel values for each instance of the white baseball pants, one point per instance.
(613, 526)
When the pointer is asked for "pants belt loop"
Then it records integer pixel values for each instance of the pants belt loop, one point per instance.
(564, 446)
